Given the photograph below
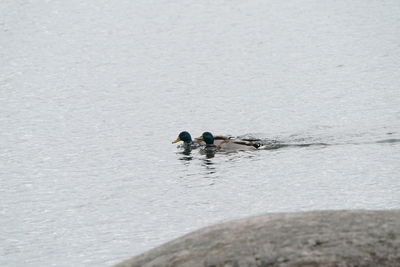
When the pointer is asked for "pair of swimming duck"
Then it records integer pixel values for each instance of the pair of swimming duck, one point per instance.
(209, 141)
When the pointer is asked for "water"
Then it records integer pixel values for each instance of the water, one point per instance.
(92, 93)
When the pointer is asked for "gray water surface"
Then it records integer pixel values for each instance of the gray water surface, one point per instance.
(93, 92)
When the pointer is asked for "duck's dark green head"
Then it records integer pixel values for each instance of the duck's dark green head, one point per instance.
(208, 138)
(183, 136)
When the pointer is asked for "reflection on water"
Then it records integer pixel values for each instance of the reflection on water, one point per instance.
(186, 158)
(186, 154)
(209, 152)
(209, 164)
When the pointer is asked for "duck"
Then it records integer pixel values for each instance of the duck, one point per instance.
(209, 149)
(188, 142)
(228, 143)
(217, 139)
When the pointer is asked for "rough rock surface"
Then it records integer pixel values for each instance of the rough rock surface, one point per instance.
(320, 238)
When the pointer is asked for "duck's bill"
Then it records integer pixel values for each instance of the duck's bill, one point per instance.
(176, 141)
(199, 138)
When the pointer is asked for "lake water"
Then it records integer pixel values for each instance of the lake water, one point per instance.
(93, 92)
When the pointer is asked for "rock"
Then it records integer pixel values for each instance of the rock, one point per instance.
(320, 238)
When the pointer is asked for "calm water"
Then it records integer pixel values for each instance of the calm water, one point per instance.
(92, 93)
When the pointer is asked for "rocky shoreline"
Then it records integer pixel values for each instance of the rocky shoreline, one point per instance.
(318, 238)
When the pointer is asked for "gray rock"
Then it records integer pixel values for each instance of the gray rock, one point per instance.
(320, 238)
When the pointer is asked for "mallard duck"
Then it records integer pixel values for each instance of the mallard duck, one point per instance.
(228, 143)
(210, 148)
(217, 139)
(186, 138)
